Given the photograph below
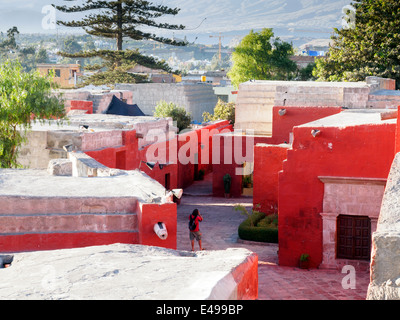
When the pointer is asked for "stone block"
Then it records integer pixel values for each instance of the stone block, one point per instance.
(385, 264)
(385, 268)
(133, 272)
(85, 166)
(60, 167)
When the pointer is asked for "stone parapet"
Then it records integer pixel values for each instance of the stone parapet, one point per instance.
(256, 99)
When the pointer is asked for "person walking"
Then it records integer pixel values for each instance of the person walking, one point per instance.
(194, 228)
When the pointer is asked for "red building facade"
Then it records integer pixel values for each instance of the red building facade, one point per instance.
(349, 149)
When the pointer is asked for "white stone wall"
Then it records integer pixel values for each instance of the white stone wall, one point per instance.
(100, 99)
(45, 143)
(257, 98)
(195, 98)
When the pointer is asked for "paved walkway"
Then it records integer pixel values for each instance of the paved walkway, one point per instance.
(219, 230)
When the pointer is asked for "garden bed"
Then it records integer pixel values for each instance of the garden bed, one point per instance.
(259, 227)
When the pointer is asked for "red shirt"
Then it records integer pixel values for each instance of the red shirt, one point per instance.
(197, 220)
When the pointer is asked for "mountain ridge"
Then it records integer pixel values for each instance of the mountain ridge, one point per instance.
(290, 19)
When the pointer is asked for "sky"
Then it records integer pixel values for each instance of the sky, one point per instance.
(205, 16)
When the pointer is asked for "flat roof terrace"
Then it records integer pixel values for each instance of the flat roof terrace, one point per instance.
(39, 211)
(353, 117)
(98, 121)
(38, 183)
(321, 84)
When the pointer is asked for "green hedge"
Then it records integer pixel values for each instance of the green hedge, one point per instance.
(256, 233)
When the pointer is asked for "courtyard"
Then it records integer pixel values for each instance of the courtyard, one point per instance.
(219, 230)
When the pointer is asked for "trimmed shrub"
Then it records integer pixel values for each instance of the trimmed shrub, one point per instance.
(265, 228)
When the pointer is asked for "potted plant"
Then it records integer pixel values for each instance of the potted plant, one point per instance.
(245, 181)
(304, 261)
(227, 185)
(201, 174)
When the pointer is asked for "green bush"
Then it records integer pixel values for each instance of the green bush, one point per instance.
(265, 228)
(222, 111)
(178, 114)
(269, 221)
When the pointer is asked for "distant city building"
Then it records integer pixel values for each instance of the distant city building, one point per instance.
(155, 75)
(315, 48)
(65, 75)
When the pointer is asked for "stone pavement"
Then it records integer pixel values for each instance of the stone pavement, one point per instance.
(219, 230)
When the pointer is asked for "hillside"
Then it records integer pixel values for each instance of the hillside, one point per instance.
(290, 19)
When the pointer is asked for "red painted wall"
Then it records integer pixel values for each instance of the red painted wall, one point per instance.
(149, 215)
(398, 132)
(246, 276)
(197, 147)
(82, 105)
(355, 151)
(282, 126)
(227, 161)
(56, 241)
(128, 157)
(268, 161)
(59, 223)
(41, 223)
(165, 158)
(187, 146)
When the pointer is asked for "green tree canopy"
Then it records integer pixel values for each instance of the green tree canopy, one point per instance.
(28, 56)
(370, 46)
(42, 56)
(71, 45)
(120, 19)
(23, 97)
(260, 56)
(10, 43)
(222, 111)
(178, 114)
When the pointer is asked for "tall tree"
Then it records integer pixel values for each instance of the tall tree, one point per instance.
(260, 56)
(23, 97)
(117, 20)
(370, 46)
(10, 43)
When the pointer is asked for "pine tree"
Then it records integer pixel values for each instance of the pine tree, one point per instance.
(120, 19)
(370, 46)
